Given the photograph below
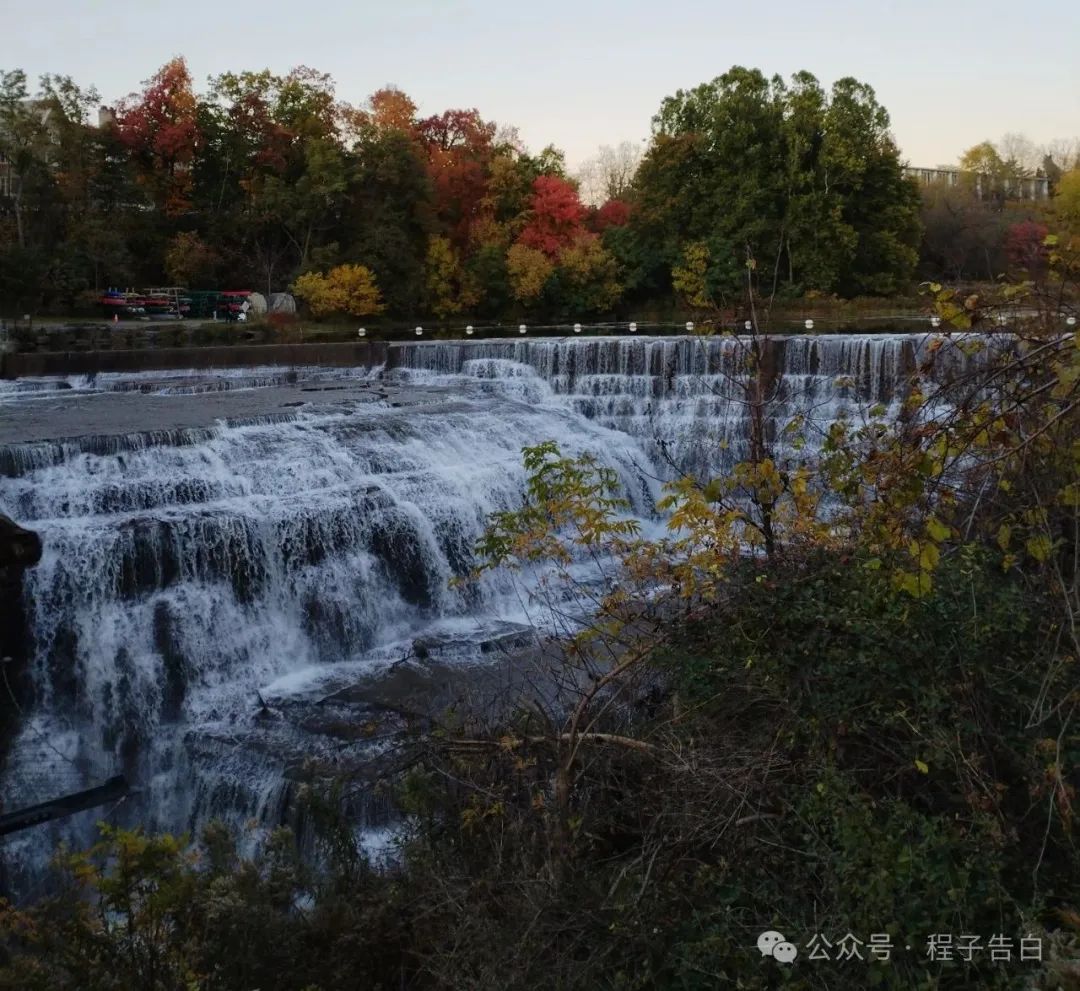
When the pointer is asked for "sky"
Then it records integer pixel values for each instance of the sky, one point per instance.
(583, 74)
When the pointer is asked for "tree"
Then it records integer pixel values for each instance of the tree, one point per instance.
(809, 185)
(613, 213)
(1025, 244)
(449, 288)
(877, 203)
(24, 144)
(391, 109)
(556, 216)
(459, 146)
(190, 261)
(161, 129)
(1067, 201)
(1019, 153)
(610, 175)
(985, 171)
(588, 276)
(1065, 153)
(962, 237)
(528, 271)
(690, 278)
(389, 214)
(349, 289)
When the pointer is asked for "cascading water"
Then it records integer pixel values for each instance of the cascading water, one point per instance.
(684, 398)
(205, 562)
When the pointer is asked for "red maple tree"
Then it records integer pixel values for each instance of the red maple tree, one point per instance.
(460, 145)
(1024, 244)
(160, 128)
(556, 215)
(614, 213)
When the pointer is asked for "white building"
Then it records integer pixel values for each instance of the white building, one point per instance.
(1036, 187)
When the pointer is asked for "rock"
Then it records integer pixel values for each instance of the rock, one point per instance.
(258, 303)
(19, 548)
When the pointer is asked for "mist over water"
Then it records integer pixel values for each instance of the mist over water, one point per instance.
(191, 570)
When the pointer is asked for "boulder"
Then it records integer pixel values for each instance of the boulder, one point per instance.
(282, 302)
(19, 548)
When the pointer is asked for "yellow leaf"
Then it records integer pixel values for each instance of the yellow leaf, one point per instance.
(1039, 547)
(921, 766)
(1070, 495)
(938, 531)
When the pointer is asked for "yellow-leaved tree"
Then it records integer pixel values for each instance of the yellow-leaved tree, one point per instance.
(449, 288)
(529, 271)
(347, 289)
(690, 279)
(1067, 201)
(589, 275)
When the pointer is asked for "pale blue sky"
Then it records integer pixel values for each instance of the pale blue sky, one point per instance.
(586, 73)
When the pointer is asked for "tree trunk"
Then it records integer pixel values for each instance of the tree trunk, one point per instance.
(19, 233)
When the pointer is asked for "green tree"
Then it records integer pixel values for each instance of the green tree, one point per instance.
(810, 186)
(388, 214)
(588, 277)
(25, 144)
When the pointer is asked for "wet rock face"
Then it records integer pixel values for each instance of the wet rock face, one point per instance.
(19, 549)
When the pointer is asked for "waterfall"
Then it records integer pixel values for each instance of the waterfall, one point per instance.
(195, 564)
(684, 398)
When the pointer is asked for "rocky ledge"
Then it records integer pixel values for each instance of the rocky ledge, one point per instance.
(19, 549)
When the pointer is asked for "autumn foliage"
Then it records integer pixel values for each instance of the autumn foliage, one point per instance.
(347, 289)
(613, 213)
(1024, 243)
(260, 177)
(160, 128)
(556, 216)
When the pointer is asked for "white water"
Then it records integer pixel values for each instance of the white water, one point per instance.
(186, 570)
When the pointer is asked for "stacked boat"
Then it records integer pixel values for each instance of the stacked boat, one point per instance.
(170, 303)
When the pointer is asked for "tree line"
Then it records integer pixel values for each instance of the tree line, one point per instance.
(272, 182)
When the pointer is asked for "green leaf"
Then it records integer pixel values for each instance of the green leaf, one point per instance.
(921, 766)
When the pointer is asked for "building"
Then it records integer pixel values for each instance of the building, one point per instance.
(43, 110)
(1036, 187)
